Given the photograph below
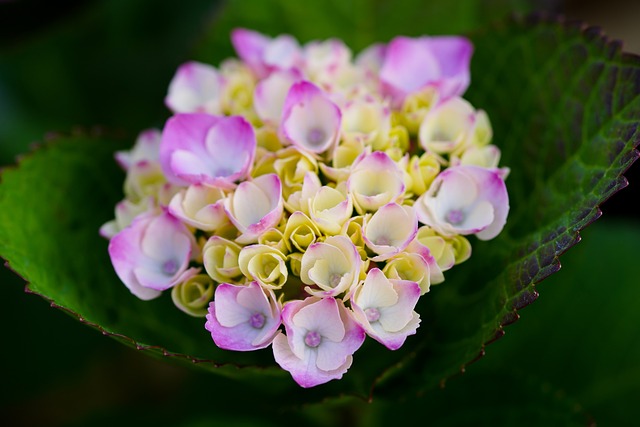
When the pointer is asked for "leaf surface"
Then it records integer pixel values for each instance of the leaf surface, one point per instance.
(564, 107)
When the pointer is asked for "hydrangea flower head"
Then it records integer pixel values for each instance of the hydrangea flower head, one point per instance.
(303, 198)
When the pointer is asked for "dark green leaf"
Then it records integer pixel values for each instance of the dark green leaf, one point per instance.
(564, 106)
(107, 63)
(580, 336)
(357, 22)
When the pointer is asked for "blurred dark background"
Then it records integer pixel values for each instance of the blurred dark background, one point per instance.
(77, 64)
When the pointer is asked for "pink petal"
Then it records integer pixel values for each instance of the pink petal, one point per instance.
(322, 317)
(310, 366)
(255, 207)
(243, 318)
(305, 373)
(250, 47)
(195, 88)
(152, 252)
(310, 120)
(411, 64)
(270, 94)
(205, 149)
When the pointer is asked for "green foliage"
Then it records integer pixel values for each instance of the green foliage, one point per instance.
(564, 106)
(109, 64)
(357, 22)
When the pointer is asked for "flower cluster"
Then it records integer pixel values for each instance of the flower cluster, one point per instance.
(302, 199)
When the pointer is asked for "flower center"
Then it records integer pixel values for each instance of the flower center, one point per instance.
(455, 216)
(334, 280)
(372, 313)
(170, 267)
(257, 320)
(312, 339)
(316, 137)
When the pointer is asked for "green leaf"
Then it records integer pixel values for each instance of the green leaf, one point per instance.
(489, 398)
(564, 106)
(108, 63)
(357, 22)
(580, 336)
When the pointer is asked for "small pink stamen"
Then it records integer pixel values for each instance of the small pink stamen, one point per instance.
(316, 137)
(372, 313)
(455, 216)
(257, 321)
(170, 267)
(312, 339)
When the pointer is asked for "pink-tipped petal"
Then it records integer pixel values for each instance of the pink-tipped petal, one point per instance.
(255, 206)
(270, 94)
(153, 252)
(195, 88)
(250, 47)
(310, 356)
(384, 308)
(205, 149)
(411, 64)
(310, 120)
(243, 318)
(465, 200)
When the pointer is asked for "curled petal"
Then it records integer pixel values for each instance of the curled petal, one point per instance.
(300, 231)
(375, 181)
(422, 170)
(487, 157)
(152, 254)
(264, 264)
(389, 230)
(330, 209)
(368, 120)
(270, 94)
(412, 267)
(310, 120)
(332, 266)
(299, 200)
(292, 166)
(193, 295)
(449, 127)
(146, 149)
(465, 200)
(195, 88)
(255, 207)
(220, 259)
(324, 60)
(200, 206)
(205, 149)
(126, 211)
(263, 54)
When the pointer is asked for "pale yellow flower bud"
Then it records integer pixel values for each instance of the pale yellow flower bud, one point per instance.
(423, 171)
(409, 266)
(237, 90)
(273, 237)
(300, 231)
(291, 165)
(220, 259)
(264, 264)
(416, 105)
(193, 296)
